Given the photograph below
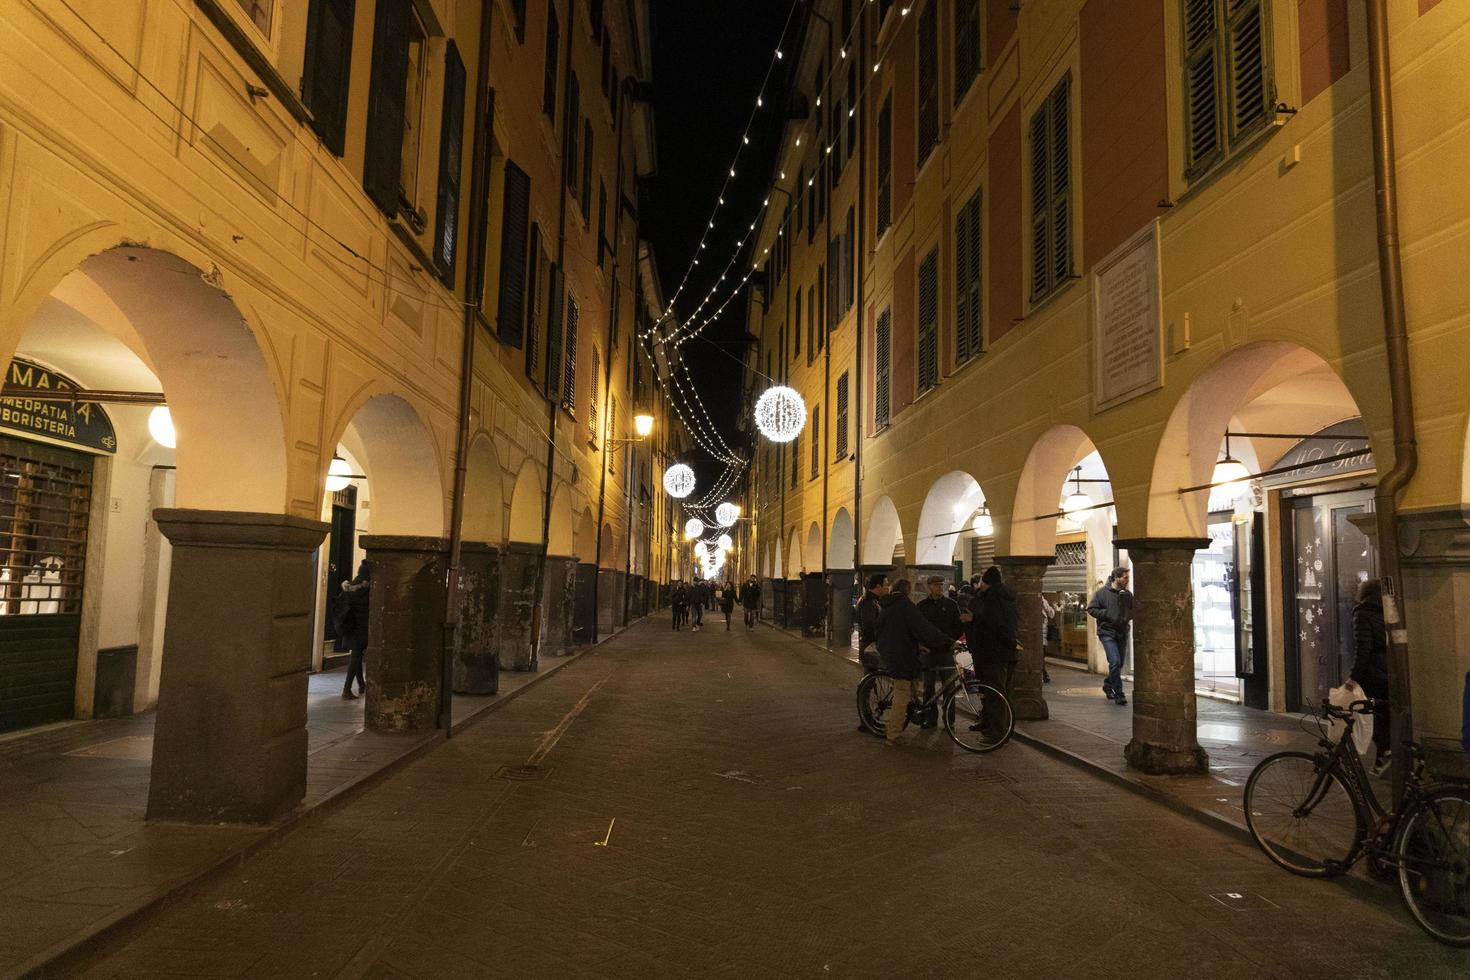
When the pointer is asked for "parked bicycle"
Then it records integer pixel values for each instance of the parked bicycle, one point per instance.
(976, 716)
(1315, 814)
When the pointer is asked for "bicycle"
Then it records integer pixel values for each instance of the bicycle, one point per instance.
(964, 705)
(1316, 815)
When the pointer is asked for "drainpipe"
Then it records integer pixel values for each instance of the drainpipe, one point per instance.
(1396, 343)
(474, 288)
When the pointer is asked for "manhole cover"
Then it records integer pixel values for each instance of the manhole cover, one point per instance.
(522, 774)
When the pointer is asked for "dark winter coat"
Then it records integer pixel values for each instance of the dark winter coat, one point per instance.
(868, 608)
(1370, 649)
(995, 628)
(902, 630)
(351, 613)
(1113, 610)
(944, 613)
(750, 595)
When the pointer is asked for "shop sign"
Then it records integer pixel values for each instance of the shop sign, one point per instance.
(81, 424)
(1335, 440)
(1127, 321)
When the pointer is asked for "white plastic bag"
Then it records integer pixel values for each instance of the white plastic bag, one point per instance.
(1343, 697)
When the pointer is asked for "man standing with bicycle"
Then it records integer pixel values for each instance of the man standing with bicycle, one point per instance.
(902, 632)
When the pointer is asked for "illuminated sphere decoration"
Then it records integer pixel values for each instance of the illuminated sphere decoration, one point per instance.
(679, 481)
(726, 514)
(780, 414)
(694, 527)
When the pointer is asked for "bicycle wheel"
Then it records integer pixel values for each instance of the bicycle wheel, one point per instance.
(874, 698)
(978, 717)
(1433, 856)
(1302, 815)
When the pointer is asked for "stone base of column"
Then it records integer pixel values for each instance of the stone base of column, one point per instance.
(1023, 574)
(405, 632)
(558, 604)
(839, 637)
(477, 647)
(229, 744)
(517, 605)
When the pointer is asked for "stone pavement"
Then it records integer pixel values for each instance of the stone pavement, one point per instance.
(75, 852)
(677, 806)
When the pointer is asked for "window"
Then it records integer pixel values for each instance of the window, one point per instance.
(569, 359)
(929, 321)
(816, 431)
(967, 302)
(260, 13)
(601, 224)
(1228, 89)
(592, 407)
(536, 286)
(586, 169)
(1051, 199)
(574, 112)
(882, 359)
(518, 8)
(841, 434)
(514, 220)
(885, 165)
(548, 83)
(966, 46)
(328, 69)
(451, 152)
(928, 80)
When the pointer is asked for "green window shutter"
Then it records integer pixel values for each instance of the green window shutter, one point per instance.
(384, 145)
(514, 219)
(882, 356)
(1061, 182)
(328, 69)
(928, 80)
(929, 321)
(451, 150)
(1251, 93)
(842, 405)
(1201, 85)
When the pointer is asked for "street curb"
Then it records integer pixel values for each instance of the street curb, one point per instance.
(69, 953)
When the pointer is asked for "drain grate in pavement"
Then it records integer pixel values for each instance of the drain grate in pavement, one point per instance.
(522, 774)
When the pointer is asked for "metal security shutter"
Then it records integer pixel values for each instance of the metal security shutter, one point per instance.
(841, 435)
(515, 216)
(885, 165)
(929, 321)
(548, 82)
(45, 501)
(451, 146)
(384, 145)
(967, 300)
(928, 80)
(569, 359)
(328, 68)
(966, 46)
(882, 356)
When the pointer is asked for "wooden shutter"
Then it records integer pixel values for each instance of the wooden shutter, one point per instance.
(594, 390)
(586, 169)
(966, 46)
(451, 151)
(569, 359)
(1201, 85)
(967, 267)
(842, 400)
(885, 165)
(548, 84)
(928, 80)
(514, 219)
(882, 358)
(1251, 93)
(1061, 183)
(929, 321)
(555, 331)
(384, 145)
(328, 71)
(535, 305)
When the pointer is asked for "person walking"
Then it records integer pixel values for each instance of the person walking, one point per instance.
(1370, 666)
(679, 602)
(992, 627)
(351, 620)
(727, 602)
(902, 632)
(1112, 607)
(944, 613)
(750, 601)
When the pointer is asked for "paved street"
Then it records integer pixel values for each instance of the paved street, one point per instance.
(702, 806)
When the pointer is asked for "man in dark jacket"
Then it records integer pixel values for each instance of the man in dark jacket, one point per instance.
(992, 626)
(944, 613)
(750, 601)
(1112, 607)
(351, 620)
(902, 632)
(1370, 664)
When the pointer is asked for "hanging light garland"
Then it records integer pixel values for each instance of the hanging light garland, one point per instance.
(679, 481)
(693, 527)
(780, 413)
(726, 514)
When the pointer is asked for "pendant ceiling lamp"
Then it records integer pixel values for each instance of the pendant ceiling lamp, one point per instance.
(679, 481)
(780, 414)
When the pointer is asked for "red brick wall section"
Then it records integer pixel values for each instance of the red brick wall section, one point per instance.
(1322, 27)
(902, 384)
(1000, 26)
(1003, 240)
(1125, 137)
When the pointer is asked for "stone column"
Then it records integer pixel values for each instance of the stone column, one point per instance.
(839, 637)
(776, 590)
(558, 604)
(517, 602)
(229, 744)
(477, 647)
(1023, 574)
(1165, 739)
(405, 679)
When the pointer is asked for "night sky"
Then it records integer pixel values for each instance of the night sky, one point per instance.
(709, 59)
